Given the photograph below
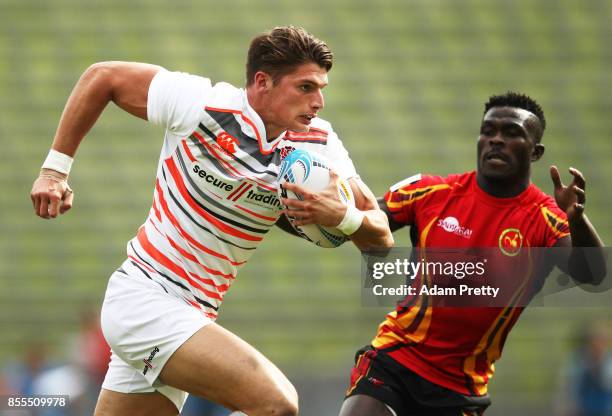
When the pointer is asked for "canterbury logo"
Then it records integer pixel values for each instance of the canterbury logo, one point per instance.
(227, 142)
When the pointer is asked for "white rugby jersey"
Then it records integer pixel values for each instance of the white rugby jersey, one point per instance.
(215, 194)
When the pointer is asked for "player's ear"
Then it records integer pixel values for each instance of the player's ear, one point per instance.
(263, 81)
(538, 152)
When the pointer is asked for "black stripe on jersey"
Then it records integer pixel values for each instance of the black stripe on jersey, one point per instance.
(188, 215)
(248, 144)
(212, 136)
(225, 219)
(179, 284)
(147, 274)
(208, 156)
(208, 199)
(177, 203)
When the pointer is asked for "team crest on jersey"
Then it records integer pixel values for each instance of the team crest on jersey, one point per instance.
(227, 142)
(510, 241)
(284, 152)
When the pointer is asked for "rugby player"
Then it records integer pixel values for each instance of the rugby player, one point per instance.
(438, 361)
(214, 202)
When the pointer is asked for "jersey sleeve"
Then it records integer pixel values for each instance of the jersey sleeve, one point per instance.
(176, 101)
(556, 225)
(339, 156)
(404, 198)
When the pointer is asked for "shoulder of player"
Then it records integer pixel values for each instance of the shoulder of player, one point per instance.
(225, 96)
(430, 183)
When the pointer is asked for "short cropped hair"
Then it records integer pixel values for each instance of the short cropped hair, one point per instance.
(517, 100)
(283, 48)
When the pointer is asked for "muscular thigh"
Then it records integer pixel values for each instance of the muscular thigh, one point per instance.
(218, 365)
(112, 403)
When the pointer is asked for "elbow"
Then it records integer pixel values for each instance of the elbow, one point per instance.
(382, 241)
(100, 76)
(592, 275)
(387, 241)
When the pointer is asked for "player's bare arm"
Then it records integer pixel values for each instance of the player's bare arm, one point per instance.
(325, 208)
(124, 83)
(582, 266)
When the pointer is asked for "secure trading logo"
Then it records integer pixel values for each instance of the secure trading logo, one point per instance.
(227, 142)
(510, 241)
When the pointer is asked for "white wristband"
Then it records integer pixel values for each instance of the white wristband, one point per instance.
(352, 220)
(58, 161)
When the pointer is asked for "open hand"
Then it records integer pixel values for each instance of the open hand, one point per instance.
(570, 198)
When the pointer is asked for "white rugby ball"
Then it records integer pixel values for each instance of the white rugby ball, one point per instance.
(311, 171)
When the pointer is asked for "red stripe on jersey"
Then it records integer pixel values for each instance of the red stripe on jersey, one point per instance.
(250, 123)
(167, 263)
(178, 179)
(236, 190)
(246, 188)
(229, 168)
(192, 303)
(187, 151)
(194, 259)
(263, 217)
(296, 137)
(156, 209)
(316, 130)
(185, 235)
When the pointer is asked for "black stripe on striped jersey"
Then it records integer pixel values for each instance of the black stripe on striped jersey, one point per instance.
(208, 199)
(179, 284)
(225, 219)
(147, 274)
(208, 156)
(188, 215)
(248, 144)
(210, 134)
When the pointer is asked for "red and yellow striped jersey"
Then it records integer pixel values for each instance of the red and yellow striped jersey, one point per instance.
(456, 347)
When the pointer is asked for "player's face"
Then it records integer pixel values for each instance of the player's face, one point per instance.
(507, 143)
(294, 99)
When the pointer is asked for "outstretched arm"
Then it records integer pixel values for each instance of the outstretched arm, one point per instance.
(325, 208)
(124, 83)
(585, 266)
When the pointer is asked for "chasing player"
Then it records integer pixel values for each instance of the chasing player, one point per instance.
(214, 202)
(439, 360)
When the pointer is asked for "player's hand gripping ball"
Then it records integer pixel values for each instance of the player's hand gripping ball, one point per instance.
(311, 171)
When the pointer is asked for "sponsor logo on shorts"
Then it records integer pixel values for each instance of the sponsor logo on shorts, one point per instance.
(147, 361)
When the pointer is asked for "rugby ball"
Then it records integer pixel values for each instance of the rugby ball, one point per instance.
(311, 171)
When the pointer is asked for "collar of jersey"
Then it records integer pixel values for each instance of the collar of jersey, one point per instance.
(500, 202)
(253, 119)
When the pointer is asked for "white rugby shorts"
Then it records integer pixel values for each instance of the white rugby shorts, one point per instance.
(144, 325)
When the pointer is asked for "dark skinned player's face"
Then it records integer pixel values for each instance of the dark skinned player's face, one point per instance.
(508, 144)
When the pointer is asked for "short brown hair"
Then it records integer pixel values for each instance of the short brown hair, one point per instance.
(280, 50)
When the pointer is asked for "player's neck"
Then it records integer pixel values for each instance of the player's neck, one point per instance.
(502, 188)
(272, 131)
